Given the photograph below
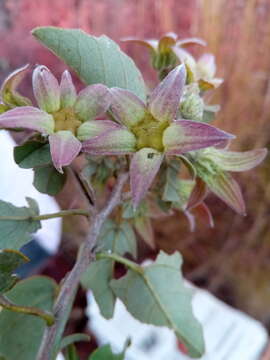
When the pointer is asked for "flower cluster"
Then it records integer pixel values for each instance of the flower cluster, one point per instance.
(171, 124)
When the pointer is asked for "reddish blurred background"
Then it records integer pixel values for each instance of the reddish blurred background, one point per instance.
(231, 260)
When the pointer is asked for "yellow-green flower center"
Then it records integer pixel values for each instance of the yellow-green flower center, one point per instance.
(149, 133)
(66, 119)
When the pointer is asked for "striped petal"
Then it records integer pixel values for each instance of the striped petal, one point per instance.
(29, 118)
(119, 141)
(93, 101)
(197, 195)
(8, 91)
(227, 189)
(165, 98)
(126, 107)
(187, 135)
(68, 92)
(236, 161)
(46, 89)
(90, 129)
(143, 169)
(64, 148)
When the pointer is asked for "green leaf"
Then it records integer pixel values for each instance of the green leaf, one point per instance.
(71, 353)
(23, 332)
(105, 353)
(32, 154)
(158, 296)
(48, 180)
(94, 59)
(118, 238)
(16, 233)
(172, 182)
(9, 261)
(97, 278)
(71, 339)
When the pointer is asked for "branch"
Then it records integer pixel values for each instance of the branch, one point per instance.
(45, 315)
(62, 213)
(63, 303)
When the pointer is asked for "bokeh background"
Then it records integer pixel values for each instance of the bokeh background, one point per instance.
(233, 259)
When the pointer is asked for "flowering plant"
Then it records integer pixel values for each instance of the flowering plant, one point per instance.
(133, 146)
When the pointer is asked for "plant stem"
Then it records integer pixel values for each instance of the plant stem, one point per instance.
(62, 213)
(129, 264)
(63, 303)
(45, 315)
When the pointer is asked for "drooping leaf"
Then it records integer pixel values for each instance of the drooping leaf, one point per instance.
(23, 332)
(105, 353)
(17, 232)
(172, 182)
(144, 228)
(32, 154)
(118, 238)
(10, 260)
(97, 278)
(94, 59)
(158, 296)
(48, 180)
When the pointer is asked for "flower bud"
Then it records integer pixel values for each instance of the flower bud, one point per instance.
(46, 89)
(192, 107)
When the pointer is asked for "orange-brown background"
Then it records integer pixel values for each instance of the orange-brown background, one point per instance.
(233, 259)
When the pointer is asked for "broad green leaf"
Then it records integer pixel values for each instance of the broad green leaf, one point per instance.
(16, 233)
(48, 180)
(9, 261)
(172, 182)
(94, 59)
(71, 339)
(105, 353)
(97, 278)
(23, 332)
(118, 238)
(158, 296)
(32, 154)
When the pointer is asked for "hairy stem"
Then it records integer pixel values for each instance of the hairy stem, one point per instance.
(45, 315)
(63, 303)
(62, 213)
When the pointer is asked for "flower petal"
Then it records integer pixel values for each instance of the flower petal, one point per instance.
(151, 44)
(64, 148)
(165, 98)
(8, 91)
(90, 129)
(203, 212)
(68, 92)
(191, 41)
(126, 107)
(236, 161)
(206, 66)
(27, 117)
(227, 189)
(187, 135)
(143, 169)
(166, 42)
(46, 89)
(93, 101)
(197, 195)
(119, 141)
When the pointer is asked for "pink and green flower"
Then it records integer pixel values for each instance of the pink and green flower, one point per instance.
(213, 166)
(62, 115)
(152, 131)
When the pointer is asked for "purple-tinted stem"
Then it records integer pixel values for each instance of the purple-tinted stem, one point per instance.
(70, 284)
